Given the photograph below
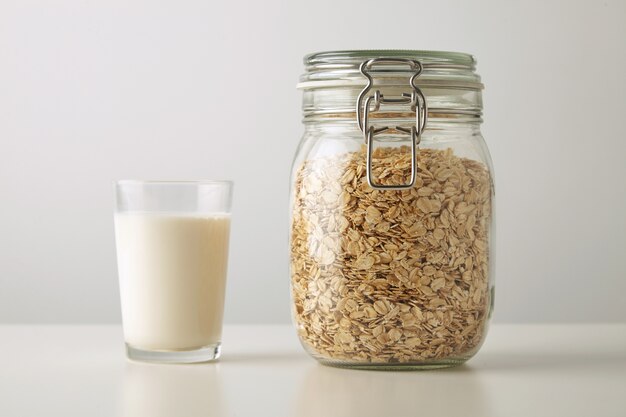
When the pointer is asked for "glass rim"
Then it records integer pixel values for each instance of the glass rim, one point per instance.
(341, 69)
(452, 57)
(174, 182)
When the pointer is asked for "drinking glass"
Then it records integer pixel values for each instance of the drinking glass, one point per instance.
(172, 254)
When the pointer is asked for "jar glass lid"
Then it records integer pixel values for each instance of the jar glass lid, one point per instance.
(333, 81)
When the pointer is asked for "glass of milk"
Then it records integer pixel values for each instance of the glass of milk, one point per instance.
(172, 253)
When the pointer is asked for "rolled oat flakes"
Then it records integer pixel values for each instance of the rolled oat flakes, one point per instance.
(391, 276)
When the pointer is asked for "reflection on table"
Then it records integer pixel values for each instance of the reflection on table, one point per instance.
(342, 392)
(157, 390)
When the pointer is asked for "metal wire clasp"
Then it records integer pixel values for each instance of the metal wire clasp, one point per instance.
(417, 103)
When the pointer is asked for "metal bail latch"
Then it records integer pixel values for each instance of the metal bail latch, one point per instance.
(417, 103)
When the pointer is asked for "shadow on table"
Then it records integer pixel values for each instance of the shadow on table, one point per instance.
(263, 358)
(555, 361)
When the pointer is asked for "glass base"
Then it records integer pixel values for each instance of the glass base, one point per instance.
(408, 366)
(203, 354)
(423, 365)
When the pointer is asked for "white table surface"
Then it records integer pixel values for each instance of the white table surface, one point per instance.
(522, 370)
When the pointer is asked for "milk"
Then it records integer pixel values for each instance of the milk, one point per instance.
(172, 272)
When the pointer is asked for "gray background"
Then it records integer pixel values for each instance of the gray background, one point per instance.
(91, 92)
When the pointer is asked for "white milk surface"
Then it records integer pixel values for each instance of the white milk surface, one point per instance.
(172, 271)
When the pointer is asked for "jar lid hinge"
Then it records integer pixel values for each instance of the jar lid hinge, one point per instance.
(415, 99)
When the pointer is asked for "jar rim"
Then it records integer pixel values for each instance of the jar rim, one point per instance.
(457, 58)
(444, 69)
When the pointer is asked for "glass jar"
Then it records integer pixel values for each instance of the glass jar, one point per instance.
(391, 211)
